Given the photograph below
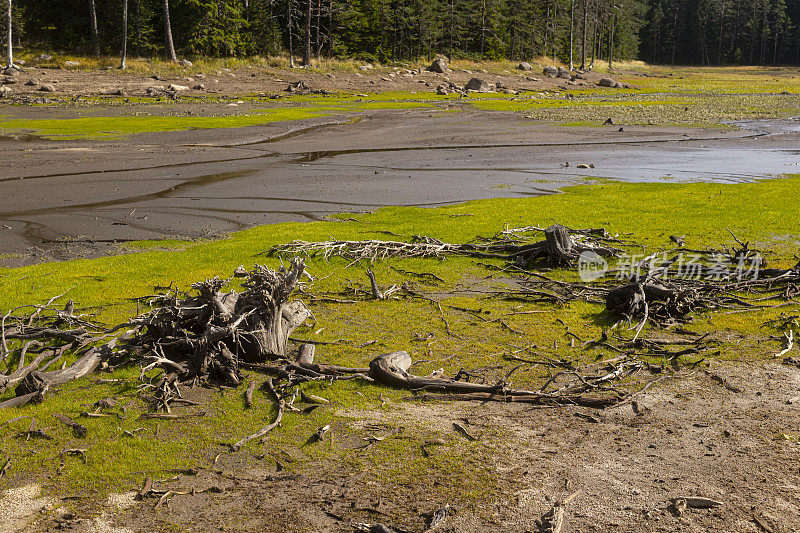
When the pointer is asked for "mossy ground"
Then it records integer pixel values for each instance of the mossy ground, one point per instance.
(106, 286)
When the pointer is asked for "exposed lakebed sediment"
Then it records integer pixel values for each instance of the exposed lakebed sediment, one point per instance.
(62, 198)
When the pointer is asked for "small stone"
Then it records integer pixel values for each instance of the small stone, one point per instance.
(5, 91)
(47, 88)
(525, 66)
(11, 71)
(185, 63)
(10, 80)
(200, 76)
(45, 57)
(178, 88)
(441, 90)
(72, 63)
(199, 87)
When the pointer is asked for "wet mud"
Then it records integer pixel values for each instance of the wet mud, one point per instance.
(66, 198)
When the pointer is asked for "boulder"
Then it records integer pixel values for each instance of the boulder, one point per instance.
(525, 66)
(441, 90)
(199, 87)
(72, 63)
(500, 85)
(563, 74)
(365, 68)
(10, 80)
(10, 71)
(440, 65)
(477, 84)
(185, 63)
(178, 88)
(5, 91)
(550, 71)
(47, 88)
(33, 82)
(608, 82)
(45, 57)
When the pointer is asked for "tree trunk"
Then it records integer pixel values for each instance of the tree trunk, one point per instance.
(170, 48)
(93, 29)
(583, 35)
(571, 32)
(330, 28)
(138, 28)
(452, 29)
(611, 44)
(9, 49)
(124, 33)
(289, 26)
(307, 48)
(483, 25)
(317, 43)
(721, 26)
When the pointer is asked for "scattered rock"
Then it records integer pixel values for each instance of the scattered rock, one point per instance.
(5, 91)
(500, 85)
(47, 88)
(199, 87)
(200, 76)
(440, 65)
(365, 67)
(563, 74)
(550, 71)
(10, 80)
(441, 90)
(33, 82)
(11, 71)
(477, 84)
(21, 62)
(72, 63)
(185, 63)
(178, 88)
(525, 66)
(609, 122)
(45, 57)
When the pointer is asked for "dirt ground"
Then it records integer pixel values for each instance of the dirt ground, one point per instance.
(692, 435)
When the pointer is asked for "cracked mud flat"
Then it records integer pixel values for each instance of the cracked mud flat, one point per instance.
(64, 199)
(689, 436)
